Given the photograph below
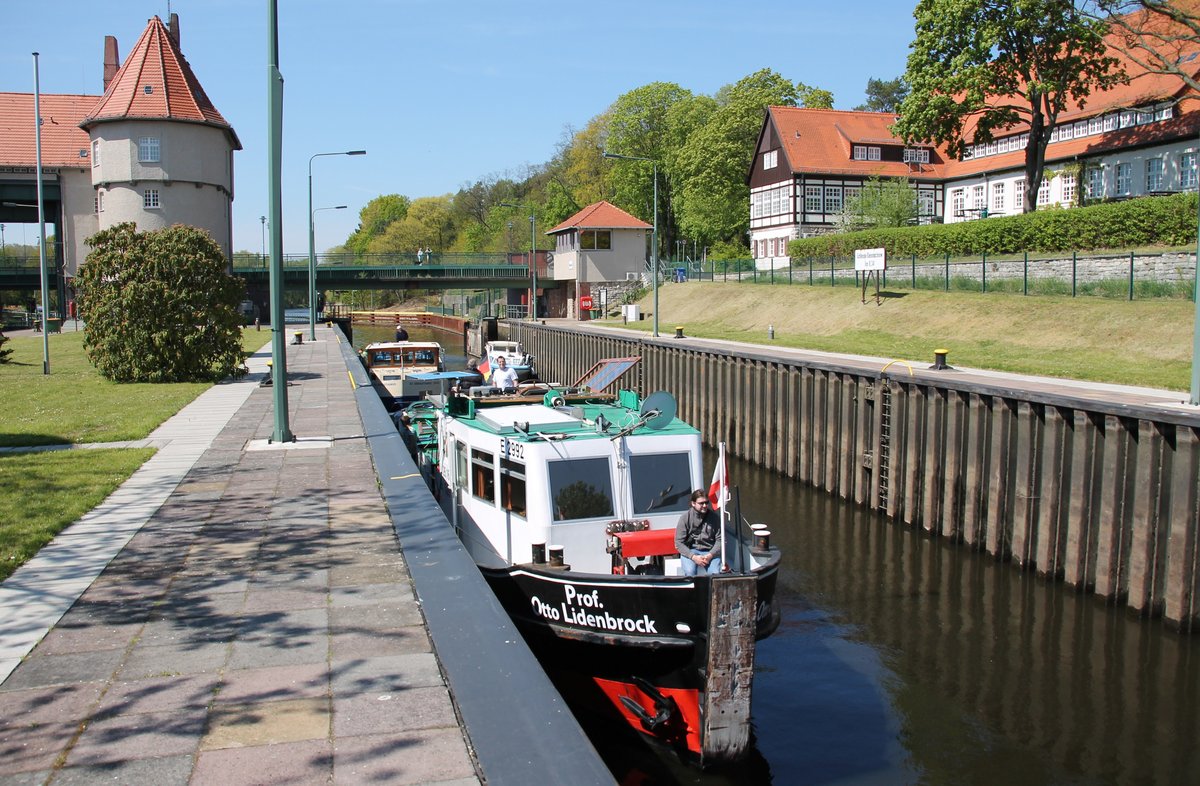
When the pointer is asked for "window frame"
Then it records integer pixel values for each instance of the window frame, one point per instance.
(149, 150)
(151, 199)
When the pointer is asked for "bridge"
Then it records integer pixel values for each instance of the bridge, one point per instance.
(398, 271)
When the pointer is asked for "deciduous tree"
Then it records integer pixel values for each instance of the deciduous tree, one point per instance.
(982, 66)
(160, 306)
(884, 95)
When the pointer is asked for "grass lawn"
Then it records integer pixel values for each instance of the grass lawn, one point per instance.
(41, 493)
(1141, 342)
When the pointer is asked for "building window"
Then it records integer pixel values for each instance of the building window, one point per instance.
(148, 150)
(812, 199)
(925, 203)
(1095, 125)
(1124, 179)
(1068, 189)
(1187, 171)
(833, 199)
(95, 153)
(997, 197)
(1154, 174)
(1043, 197)
(1019, 195)
(100, 200)
(978, 199)
(1095, 183)
(916, 156)
(770, 159)
(150, 199)
(860, 152)
(872, 154)
(958, 202)
(595, 239)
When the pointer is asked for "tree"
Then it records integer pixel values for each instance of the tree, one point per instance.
(978, 66)
(888, 202)
(374, 219)
(884, 95)
(4, 353)
(710, 168)
(1161, 36)
(160, 306)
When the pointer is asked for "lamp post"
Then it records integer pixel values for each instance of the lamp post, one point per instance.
(41, 206)
(312, 222)
(263, 220)
(532, 260)
(312, 256)
(654, 241)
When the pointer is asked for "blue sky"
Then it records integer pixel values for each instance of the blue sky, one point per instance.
(443, 93)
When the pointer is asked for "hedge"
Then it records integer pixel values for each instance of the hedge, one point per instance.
(1147, 221)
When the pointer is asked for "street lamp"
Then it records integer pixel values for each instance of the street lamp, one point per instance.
(312, 221)
(263, 220)
(654, 241)
(532, 260)
(312, 256)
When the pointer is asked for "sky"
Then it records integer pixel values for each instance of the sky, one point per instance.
(441, 94)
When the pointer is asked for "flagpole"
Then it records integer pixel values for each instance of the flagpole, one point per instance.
(724, 501)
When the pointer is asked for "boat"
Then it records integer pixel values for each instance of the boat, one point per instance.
(567, 500)
(393, 364)
(514, 355)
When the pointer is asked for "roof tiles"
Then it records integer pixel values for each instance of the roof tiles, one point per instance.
(62, 138)
(601, 215)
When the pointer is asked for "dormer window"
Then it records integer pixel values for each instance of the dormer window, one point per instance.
(148, 89)
(916, 156)
(866, 153)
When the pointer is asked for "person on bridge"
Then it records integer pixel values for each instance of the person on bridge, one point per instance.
(401, 333)
(504, 377)
(696, 536)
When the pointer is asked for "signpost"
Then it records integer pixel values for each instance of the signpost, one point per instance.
(585, 302)
(871, 261)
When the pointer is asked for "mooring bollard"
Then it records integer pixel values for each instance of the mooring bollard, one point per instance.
(679, 331)
(939, 360)
(771, 332)
(298, 337)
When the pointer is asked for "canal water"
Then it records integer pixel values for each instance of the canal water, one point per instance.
(903, 659)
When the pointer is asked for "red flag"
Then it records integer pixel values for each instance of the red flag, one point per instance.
(718, 490)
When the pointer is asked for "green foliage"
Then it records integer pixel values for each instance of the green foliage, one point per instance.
(4, 353)
(881, 203)
(374, 219)
(160, 306)
(980, 66)
(884, 95)
(1162, 220)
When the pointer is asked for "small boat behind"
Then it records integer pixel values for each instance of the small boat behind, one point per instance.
(514, 355)
(393, 364)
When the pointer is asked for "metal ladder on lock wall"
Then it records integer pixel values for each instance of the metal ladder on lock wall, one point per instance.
(885, 441)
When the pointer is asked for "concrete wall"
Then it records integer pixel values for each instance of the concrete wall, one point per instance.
(1102, 496)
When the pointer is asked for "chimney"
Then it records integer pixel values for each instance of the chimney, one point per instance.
(112, 62)
(173, 26)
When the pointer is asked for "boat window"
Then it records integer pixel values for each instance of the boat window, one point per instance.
(381, 359)
(580, 489)
(662, 482)
(512, 487)
(460, 463)
(420, 356)
(483, 475)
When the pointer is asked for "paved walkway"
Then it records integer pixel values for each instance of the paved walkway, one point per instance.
(235, 613)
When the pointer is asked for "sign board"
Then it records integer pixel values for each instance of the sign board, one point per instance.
(585, 302)
(870, 259)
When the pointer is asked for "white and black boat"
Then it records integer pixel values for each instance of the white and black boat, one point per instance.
(567, 500)
(392, 366)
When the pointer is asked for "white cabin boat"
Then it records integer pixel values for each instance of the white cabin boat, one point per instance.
(391, 365)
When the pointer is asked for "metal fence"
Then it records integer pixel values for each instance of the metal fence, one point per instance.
(1127, 275)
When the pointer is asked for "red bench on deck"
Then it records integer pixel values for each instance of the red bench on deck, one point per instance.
(647, 543)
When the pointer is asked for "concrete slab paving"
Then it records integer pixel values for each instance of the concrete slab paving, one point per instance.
(237, 612)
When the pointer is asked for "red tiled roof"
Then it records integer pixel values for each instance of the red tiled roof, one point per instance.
(62, 138)
(822, 140)
(156, 82)
(601, 215)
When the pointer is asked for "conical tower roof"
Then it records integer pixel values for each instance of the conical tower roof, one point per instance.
(156, 83)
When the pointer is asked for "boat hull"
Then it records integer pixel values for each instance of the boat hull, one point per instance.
(653, 652)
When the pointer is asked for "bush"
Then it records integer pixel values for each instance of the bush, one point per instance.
(4, 353)
(1148, 221)
(160, 306)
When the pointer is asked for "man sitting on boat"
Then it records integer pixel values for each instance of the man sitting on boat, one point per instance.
(696, 536)
(504, 377)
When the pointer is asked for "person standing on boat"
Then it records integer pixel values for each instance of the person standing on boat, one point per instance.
(401, 333)
(503, 376)
(696, 536)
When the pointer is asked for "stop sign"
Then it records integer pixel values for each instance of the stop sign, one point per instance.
(585, 302)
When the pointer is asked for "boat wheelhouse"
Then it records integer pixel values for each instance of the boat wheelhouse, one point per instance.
(393, 364)
(567, 500)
